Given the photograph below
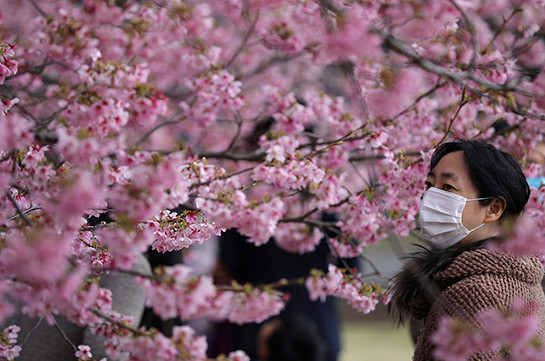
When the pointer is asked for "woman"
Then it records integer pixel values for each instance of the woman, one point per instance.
(473, 188)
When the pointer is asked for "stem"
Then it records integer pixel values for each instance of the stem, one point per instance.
(31, 209)
(18, 209)
(169, 121)
(100, 225)
(269, 63)
(237, 134)
(458, 77)
(462, 103)
(222, 177)
(249, 33)
(422, 96)
(63, 334)
(473, 32)
(124, 271)
(277, 284)
(119, 324)
(38, 9)
(34, 328)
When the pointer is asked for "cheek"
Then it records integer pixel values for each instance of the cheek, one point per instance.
(473, 214)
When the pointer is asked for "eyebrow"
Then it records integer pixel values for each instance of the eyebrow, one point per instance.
(446, 175)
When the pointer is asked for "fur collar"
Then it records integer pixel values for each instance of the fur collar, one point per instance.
(414, 289)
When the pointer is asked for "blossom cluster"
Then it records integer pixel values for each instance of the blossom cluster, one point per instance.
(127, 126)
(508, 334)
(8, 348)
(176, 292)
(174, 232)
(362, 297)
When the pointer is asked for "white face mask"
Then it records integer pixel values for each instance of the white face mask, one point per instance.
(440, 218)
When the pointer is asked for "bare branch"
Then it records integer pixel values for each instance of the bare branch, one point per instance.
(117, 323)
(237, 134)
(460, 105)
(473, 32)
(100, 225)
(362, 104)
(28, 210)
(39, 9)
(34, 328)
(169, 121)
(438, 85)
(247, 37)
(273, 61)
(502, 27)
(63, 334)
(18, 209)
(255, 157)
(364, 158)
(458, 77)
(124, 271)
(225, 176)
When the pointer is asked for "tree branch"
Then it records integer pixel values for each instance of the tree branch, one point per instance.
(460, 105)
(473, 32)
(458, 77)
(63, 334)
(18, 209)
(169, 121)
(247, 37)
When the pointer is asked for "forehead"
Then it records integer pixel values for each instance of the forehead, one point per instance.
(453, 166)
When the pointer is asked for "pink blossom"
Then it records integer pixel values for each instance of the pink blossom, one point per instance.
(299, 238)
(492, 329)
(255, 306)
(84, 352)
(525, 238)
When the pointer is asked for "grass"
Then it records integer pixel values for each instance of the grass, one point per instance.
(375, 341)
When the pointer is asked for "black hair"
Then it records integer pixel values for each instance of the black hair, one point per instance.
(494, 173)
(295, 340)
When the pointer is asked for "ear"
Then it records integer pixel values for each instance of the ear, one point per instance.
(495, 210)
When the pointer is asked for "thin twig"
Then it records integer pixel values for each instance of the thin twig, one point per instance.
(97, 226)
(28, 210)
(237, 134)
(473, 32)
(18, 209)
(300, 218)
(458, 77)
(502, 27)
(364, 158)
(438, 85)
(169, 121)
(225, 176)
(362, 104)
(63, 334)
(247, 37)
(263, 66)
(258, 156)
(9, 155)
(124, 271)
(277, 284)
(34, 328)
(119, 324)
(462, 103)
(38, 9)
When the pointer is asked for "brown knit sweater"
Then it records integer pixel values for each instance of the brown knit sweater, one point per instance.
(474, 281)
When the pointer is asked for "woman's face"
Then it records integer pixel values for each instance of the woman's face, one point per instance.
(451, 174)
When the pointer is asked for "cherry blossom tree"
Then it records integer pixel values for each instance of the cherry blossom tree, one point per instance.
(181, 118)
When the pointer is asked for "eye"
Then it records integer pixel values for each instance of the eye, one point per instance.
(448, 187)
(428, 185)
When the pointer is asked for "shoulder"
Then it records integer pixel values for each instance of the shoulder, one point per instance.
(494, 263)
(474, 293)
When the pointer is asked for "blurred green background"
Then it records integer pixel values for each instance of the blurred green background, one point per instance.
(376, 337)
